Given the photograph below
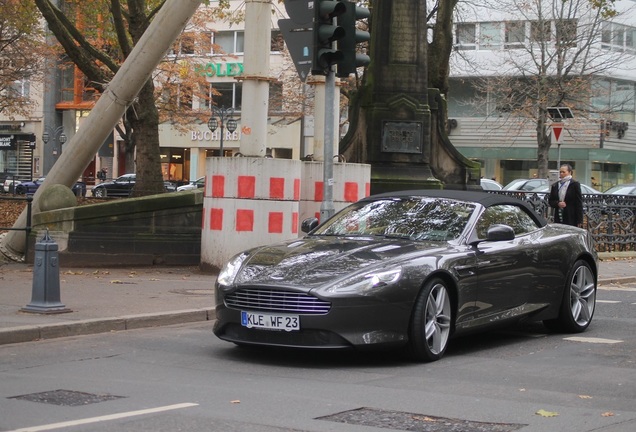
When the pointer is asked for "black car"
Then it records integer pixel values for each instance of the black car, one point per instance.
(409, 269)
(120, 187)
(29, 188)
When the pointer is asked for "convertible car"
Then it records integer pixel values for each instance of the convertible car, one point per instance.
(410, 269)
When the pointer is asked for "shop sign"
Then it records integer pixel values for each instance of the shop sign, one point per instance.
(8, 142)
(219, 69)
(197, 135)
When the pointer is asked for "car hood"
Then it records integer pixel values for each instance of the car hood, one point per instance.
(314, 261)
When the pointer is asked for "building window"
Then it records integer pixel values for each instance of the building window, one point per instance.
(20, 88)
(490, 35)
(465, 36)
(278, 43)
(223, 95)
(566, 33)
(515, 35)
(229, 42)
(540, 31)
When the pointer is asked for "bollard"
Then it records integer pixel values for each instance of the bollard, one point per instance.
(45, 295)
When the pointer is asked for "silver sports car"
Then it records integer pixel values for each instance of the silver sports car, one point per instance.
(410, 269)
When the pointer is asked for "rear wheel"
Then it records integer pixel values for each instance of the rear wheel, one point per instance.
(20, 190)
(579, 301)
(431, 322)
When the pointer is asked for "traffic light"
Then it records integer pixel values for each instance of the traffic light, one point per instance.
(347, 45)
(325, 33)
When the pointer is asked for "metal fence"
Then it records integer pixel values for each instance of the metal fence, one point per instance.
(611, 219)
(27, 227)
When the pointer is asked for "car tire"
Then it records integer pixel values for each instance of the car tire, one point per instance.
(579, 301)
(99, 192)
(431, 322)
(20, 190)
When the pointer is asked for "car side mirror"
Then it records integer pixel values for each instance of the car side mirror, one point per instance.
(500, 232)
(309, 224)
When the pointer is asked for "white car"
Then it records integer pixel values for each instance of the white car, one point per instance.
(9, 185)
(197, 184)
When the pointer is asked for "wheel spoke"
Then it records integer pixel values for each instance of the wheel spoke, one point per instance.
(437, 325)
(582, 295)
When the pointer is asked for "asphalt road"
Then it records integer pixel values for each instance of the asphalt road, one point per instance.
(181, 378)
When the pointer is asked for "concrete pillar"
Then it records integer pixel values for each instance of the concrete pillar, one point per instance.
(254, 108)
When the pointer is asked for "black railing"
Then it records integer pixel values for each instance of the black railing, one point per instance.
(27, 228)
(611, 219)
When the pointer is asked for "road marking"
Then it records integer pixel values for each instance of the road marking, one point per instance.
(616, 288)
(592, 340)
(607, 301)
(104, 418)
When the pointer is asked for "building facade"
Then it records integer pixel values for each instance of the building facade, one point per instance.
(507, 40)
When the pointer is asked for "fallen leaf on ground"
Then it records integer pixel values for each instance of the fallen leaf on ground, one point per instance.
(585, 397)
(544, 413)
(607, 414)
(235, 401)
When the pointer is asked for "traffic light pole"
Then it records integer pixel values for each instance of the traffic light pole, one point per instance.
(327, 208)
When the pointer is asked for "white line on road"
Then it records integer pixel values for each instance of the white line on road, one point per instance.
(616, 288)
(608, 301)
(592, 340)
(104, 418)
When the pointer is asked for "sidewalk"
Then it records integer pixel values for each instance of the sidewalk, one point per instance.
(104, 300)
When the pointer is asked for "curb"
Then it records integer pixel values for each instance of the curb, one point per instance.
(103, 325)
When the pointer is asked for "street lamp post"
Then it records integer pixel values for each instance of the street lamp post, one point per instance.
(57, 135)
(225, 120)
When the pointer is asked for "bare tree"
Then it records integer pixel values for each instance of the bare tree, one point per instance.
(551, 55)
(97, 36)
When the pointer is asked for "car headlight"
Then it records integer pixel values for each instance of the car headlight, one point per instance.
(230, 270)
(366, 282)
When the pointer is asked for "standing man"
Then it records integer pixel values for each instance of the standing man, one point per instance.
(566, 198)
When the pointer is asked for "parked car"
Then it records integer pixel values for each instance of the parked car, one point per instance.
(622, 189)
(585, 190)
(197, 184)
(9, 184)
(487, 184)
(29, 188)
(409, 270)
(119, 187)
(526, 184)
(123, 185)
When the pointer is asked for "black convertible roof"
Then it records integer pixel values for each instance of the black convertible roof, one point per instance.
(485, 199)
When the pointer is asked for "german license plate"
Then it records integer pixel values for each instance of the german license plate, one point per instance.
(270, 321)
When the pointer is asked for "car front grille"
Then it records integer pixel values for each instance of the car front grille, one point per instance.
(272, 300)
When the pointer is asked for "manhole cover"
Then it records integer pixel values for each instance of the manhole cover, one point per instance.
(416, 422)
(66, 397)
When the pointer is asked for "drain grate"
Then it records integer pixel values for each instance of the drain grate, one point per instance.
(66, 397)
(416, 422)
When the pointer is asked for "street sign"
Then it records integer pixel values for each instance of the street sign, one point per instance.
(557, 129)
(299, 40)
(300, 11)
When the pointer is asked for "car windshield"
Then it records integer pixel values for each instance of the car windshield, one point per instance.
(620, 190)
(414, 218)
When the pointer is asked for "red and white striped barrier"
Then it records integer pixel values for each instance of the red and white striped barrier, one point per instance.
(247, 202)
(351, 182)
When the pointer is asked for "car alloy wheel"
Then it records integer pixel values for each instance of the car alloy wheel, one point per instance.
(579, 300)
(99, 192)
(432, 322)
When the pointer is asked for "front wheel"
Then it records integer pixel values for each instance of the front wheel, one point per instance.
(579, 301)
(99, 192)
(431, 322)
